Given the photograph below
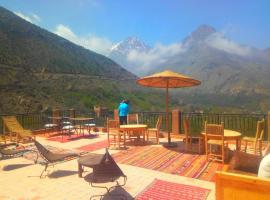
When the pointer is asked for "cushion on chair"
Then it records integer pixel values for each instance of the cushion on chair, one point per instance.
(67, 127)
(264, 169)
(92, 125)
(249, 139)
(215, 142)
(246, 162)
(50, 125)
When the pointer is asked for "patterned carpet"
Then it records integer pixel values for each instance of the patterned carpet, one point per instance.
(94, 146)
(164, 190)
(169, 161)
(66, 138)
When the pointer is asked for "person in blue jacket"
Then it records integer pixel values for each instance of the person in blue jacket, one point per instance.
(123, 110)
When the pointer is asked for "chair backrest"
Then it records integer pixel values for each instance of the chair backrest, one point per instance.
(45, 153)
(112, 125)
(260, 129)
(214, 130)
(159, 121)
(186, 127)
(133, 118)
(12, 124)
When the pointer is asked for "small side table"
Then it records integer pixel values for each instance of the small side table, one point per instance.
(89, 160)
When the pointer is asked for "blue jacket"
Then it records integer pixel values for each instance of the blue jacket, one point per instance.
(123, 109)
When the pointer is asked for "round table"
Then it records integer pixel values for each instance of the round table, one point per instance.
(231, 135)
(140, 128)
(80, 120)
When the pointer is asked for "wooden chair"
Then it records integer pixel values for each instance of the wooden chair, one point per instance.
(116, 137)
(190, 140)
(257, 140)
(14, 128)
(214, 136)
(133, 119)
(154, 132)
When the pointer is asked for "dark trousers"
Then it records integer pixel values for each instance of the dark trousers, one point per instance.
(123, 120)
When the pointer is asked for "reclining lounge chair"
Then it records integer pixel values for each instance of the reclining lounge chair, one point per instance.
(11, 124)
(51, 158)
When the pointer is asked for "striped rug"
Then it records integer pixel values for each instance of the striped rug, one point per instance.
(169, 161)
(164, 190)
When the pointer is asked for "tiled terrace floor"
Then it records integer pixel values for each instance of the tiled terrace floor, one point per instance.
(20, 178)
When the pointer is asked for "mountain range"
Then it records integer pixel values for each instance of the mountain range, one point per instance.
(40, 70)
(232, 74)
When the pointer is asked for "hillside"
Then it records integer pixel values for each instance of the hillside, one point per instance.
(40, 70)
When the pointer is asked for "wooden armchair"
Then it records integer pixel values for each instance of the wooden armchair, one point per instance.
(190, 140)
(214, 136)
(257, 140)
(154, 132)
(116, 137)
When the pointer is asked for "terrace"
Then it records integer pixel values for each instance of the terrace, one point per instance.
(149, 167)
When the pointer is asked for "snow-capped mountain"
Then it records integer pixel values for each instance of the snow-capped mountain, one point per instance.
(121, 51)
(131, 43)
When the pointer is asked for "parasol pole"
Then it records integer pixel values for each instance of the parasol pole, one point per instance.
(167, 111)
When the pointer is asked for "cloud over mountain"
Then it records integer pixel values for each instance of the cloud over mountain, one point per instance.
(98, 44)
(32, 18)
(219, 41)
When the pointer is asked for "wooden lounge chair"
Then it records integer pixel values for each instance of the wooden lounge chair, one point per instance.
(51, 158)
(14, 128)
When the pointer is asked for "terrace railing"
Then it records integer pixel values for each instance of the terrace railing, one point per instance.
(244, 123)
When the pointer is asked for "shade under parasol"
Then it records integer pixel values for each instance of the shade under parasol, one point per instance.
(168, 79)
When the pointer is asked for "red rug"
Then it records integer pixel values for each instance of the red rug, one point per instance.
(66, 138)
(164, 190)
(94, 146)
(169, 161)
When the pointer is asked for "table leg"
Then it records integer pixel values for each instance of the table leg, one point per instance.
(80, 170)
(237, 144)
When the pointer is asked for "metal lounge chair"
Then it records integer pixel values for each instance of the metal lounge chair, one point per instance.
(51, 158)
(11, 150)
(106, 171)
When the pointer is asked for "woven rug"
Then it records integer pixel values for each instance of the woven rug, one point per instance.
(169, 161)
(164, 190)
(66, 138)
(94, 146)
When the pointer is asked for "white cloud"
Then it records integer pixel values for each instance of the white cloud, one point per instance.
(94, 43)
(218, 41)
(33, 18)
(159, 54)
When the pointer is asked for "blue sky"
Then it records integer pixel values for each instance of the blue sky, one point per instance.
(96, 22)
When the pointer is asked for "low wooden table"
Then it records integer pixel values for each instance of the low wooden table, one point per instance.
(231, 135)
(89, 160)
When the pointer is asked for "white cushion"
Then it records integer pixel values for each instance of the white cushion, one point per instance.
(90, 124)
(66, 122)
(68, 127)
(264, 169)
(50, 125)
